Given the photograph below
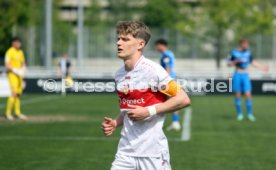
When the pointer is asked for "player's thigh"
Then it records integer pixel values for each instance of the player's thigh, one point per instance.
(236, 82)
(247, 86)
(20, 85)
(153, 164)
(14, 83)
(123, 162)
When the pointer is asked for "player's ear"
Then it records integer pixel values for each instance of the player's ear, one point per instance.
(141, 44)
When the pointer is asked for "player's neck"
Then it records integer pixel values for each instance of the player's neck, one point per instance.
(241, 49)
(164, 50)
(131, 61)
(15, 48)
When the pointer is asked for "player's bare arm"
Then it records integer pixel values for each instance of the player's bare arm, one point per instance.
(109, 125)
(261, 67)
(174, 103)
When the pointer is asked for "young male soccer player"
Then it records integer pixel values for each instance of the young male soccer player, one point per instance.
(241, 58)
(167, 62)
(15, 65)
(143, 87)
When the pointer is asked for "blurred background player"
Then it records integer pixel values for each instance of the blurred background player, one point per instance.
(64, 68)
(15, 65)
(240, 58)
(167, 60)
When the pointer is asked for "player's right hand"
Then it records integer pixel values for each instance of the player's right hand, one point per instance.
(108, 126)
(238, 61)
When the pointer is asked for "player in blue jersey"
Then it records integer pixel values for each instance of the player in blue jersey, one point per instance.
(167, 62)
(240, 58)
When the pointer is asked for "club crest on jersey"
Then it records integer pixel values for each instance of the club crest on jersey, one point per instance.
(126, 88)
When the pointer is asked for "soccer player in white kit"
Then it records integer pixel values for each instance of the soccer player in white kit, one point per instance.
(146, 93)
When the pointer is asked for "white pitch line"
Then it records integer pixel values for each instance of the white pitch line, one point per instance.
(67, 138)
(186, 125)
(34, 100)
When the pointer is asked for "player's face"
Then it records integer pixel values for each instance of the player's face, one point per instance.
(160, 47)
(128, 46)
(245, 45)
(65, 56)
(16, 44)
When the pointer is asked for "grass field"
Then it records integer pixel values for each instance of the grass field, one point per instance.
(64, 133)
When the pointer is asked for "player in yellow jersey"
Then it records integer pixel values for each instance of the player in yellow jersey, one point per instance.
(15, 65)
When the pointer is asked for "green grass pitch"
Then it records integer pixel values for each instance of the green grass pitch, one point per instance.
(64, 133)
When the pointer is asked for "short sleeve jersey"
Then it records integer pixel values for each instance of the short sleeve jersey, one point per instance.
(140, 87)
(245, 57)
(15, 58)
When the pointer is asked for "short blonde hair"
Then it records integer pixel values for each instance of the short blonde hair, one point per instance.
(136, 28)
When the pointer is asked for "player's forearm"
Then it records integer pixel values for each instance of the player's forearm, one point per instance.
(119, 121)
(257, 65)
(177, 102)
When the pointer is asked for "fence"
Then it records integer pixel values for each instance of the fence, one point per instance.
(101, 43)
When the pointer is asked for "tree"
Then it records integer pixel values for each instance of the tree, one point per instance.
(161, 13)
(14, 13)
(93, 14)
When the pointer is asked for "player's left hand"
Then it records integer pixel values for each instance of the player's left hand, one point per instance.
(136, 113)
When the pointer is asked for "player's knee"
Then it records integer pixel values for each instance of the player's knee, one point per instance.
(248, 95)
(238, 95)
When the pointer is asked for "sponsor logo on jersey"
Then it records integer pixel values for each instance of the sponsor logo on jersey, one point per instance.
(132, 101)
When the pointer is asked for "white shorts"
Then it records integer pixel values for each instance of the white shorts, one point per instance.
(123, 162)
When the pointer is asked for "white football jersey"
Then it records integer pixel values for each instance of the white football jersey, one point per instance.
(140, 87)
